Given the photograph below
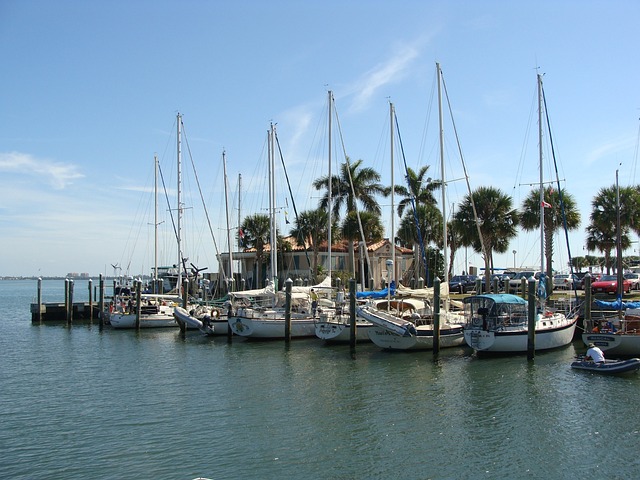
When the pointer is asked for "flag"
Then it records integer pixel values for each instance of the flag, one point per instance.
(241, 235)
(544, 204)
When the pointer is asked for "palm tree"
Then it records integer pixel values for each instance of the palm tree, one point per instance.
(497, 219)
(366, 185)
(311, 226)
(419, 190)
(255, 232)
(601, 232)
(553, 217)
(429, 219)
(350, 229)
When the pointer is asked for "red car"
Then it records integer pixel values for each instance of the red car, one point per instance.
(609, 284)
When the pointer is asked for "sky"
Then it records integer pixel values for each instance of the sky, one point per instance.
(91, 91)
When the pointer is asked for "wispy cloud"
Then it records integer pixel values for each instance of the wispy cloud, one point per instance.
(57, 174)
(385, 73)
(608, 149)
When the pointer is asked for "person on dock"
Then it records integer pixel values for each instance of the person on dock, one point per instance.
(314, 302)
(594, 354)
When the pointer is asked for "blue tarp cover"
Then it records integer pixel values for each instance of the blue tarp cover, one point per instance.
(617, 304)
(384, 293)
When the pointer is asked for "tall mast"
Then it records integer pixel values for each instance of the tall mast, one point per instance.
(620, 281)
(226, 204)
(445, 278)
(179, 223)
(155, 224)
(239, 215)
(393, 191)
(541, 175)
(330, 182)
(272, 207)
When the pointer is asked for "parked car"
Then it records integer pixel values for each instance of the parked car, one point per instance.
(594, 278)
(502, 278)
(462, 283)
(609, 284)
(634, 278)
(514, 283)
(567, 281)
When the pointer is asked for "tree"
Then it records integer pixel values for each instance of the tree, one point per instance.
(601, 232)
(553, 217)
(418, 190)
(312, 226)
(429, 219)
(497, 219)
(371, 226)
(366, 185)
(255, 233)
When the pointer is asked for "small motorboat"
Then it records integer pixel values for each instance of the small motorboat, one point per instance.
(609, 366)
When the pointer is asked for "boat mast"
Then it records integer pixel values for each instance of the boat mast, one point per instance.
(155, 225)
(445, 275)
(393, 212)
(226, 204)
(620, 276)
(179, 223)
(329, 183)
(272, 207)
(239, 218)
(542, 269)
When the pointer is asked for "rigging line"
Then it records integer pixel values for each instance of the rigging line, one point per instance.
(355, 203)
(412, 198)
(560, 194)
(204, 206)
(293, 202)
(464, 168)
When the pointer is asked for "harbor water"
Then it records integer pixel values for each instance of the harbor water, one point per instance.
(83, 402)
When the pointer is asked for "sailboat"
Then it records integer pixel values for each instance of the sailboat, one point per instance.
(334, 323)
(407, 322)
(499, 323)
(620, 335)
(260, 313)
(156, 309)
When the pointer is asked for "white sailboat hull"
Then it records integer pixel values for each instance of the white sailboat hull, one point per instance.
(450, 336)
(552, 332)
(163, 319)
(623, 344)
(338, 329)
(269, 324)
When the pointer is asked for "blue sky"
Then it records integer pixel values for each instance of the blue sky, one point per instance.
(91, 89)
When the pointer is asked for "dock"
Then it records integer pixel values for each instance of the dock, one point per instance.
(57, 311)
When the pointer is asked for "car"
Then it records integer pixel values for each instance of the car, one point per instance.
(634, 278)
(501, 277)
(594, 278)
(565, 281)
(609, 284)
(462, 283)
(516, 280)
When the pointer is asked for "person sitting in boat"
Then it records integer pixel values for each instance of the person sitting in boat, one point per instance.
(594, 354)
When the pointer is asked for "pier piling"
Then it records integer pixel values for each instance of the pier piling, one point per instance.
(39, 299)
(436, 316)
(352, 315)
(531, 337)
(287, 310)
(101, 301)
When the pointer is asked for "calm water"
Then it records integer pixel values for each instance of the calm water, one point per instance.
(79, 402)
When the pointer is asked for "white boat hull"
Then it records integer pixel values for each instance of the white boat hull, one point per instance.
(450, 336)
(552, 332)
(270, 324)
(623, 344)
(335, 330)
(163, 319)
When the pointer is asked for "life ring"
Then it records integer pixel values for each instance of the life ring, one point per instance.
(477, 322)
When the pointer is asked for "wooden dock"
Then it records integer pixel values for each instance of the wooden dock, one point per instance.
(69, 310)
(57, 311)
